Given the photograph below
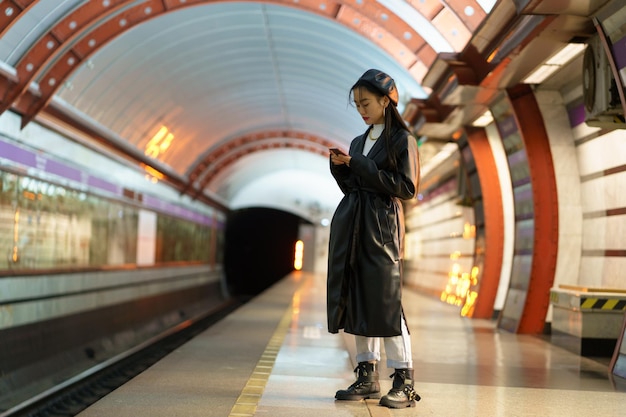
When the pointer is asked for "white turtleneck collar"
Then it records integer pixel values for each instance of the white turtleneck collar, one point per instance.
(376, 130)
(374, 134)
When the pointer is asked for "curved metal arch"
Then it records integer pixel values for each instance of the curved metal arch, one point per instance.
(59, 52)
(45, 51)
(217, 159)
(461, 9)
(212, 158)
(261, 145)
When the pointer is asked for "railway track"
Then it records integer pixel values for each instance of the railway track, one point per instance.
(72, 396)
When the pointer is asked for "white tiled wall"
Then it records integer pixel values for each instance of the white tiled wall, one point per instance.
(567, 173)
(601, 192)
(435, 241)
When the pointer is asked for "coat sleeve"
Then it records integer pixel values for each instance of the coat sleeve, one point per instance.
(402, 183)
(341, 173)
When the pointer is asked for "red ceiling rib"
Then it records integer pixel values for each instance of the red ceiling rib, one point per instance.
(60, 51)
(11, 11)
(47, 49)
(461, 8)
(112, 21)
(76, 37)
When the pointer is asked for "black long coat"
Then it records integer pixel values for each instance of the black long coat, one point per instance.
(367, 235)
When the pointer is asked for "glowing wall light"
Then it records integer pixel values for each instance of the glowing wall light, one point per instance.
(152, 174)
(471, 295)
(297, 263)
(460, 288)
(159, 143)
(469, 231)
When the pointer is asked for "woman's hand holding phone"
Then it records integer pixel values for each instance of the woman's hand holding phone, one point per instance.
(339, 157)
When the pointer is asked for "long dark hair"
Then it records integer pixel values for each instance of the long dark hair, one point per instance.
(393, 119)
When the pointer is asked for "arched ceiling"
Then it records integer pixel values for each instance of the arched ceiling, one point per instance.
(226, 98)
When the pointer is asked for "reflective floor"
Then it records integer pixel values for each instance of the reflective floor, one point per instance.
(462, 367)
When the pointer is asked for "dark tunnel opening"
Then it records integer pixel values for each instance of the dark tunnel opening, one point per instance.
(259, 249)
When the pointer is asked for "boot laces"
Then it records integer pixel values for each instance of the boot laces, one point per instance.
(361, 370)
(405, 387)
(410, 393)
(408, 390)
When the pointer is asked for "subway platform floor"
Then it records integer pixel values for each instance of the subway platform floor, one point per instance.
(274, 357)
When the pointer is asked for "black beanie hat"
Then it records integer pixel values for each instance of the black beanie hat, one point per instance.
(382, 82)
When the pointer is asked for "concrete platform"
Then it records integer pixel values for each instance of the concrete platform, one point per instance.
(273, 357)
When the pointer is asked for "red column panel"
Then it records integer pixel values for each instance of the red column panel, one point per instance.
(545, 201)
(494, 222)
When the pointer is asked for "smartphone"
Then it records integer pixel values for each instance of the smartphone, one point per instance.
(337, 151)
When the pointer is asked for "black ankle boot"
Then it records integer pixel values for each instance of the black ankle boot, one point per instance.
(365, 386)
(402, 394)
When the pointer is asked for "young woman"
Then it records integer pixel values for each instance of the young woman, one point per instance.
(366, 241)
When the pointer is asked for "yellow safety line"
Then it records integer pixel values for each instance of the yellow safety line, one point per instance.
(246, 404)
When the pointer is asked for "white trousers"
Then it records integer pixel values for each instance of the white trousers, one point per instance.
(397, 349)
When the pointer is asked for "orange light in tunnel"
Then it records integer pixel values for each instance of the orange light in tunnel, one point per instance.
(297, 263)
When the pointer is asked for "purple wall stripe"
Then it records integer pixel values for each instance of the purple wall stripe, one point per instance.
(19, 155)
(31, 159)
(507, 126)
(57, 168)
(576, 115)
(167, 207)
(103, 185)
